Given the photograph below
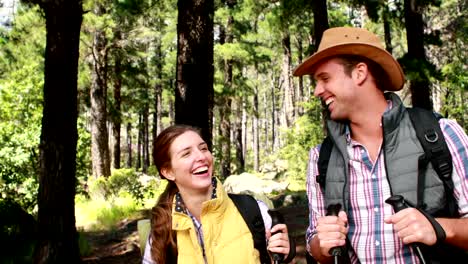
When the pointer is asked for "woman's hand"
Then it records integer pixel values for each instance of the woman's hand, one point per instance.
(279, 242)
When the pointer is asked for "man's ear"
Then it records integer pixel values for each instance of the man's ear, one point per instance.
(167, 173)
(360, 73)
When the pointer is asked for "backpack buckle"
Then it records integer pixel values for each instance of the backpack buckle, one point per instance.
(431, 136)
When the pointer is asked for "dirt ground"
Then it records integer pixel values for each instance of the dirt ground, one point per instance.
(122, 245)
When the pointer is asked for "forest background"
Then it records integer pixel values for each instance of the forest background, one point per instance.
(85, 86)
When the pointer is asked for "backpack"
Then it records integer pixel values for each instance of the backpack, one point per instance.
(426, 125)
(248, 208)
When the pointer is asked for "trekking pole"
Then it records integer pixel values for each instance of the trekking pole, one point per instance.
(336, 252)
(276, 218)
(398, 203)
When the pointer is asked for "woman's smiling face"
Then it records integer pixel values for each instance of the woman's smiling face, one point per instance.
(191, 163)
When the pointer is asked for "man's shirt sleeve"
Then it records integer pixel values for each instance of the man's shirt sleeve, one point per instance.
(314, 195)
(457, 142)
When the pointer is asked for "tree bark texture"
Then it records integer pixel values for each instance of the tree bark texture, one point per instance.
(319, 9)
(419, 86)
(194, 79)
(239, 147)
(288, 89)
(117, 115)
(157, 97)
(256, 128)
(57, 236)
(100, 153)
(129, 145)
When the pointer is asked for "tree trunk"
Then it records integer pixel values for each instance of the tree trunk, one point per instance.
(240, 162)
(139, 141)
(387, 30)
(225, 136)
(419, 86)
(273, 116)
(99, 134)
(194, 91)
(319, 9)
(129, 145)
(244, 127)
(57, 237)
(117, 115)
(256, 133)
(157, 97)
(288, 89)
(299, 110)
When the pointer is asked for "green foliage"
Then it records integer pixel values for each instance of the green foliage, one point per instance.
(21, 83)
(85, 247)
(99, 214)
(83, 155)
(123, 182)
(306, 133)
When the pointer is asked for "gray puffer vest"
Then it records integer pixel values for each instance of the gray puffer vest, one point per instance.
(401, 152)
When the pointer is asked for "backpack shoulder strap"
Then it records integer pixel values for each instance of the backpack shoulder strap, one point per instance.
(248, 208)
(324, 158)
(429, 133)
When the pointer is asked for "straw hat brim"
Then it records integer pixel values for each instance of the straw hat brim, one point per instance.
(380, 56)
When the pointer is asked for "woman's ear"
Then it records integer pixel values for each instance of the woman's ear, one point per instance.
(167, 173)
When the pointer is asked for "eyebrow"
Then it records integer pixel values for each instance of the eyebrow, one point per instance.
(187, 148)
(320, 75)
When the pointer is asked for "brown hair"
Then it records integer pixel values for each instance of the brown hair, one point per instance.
(380, 77)
(163, 240)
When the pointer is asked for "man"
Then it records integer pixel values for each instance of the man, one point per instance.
(374, 156)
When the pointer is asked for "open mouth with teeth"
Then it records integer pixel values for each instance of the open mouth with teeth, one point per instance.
(329, 101)
(201, 170)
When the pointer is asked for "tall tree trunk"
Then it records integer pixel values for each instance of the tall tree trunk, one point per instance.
(129, 145)
(240, 162)
(194, 91)
(300, 87)
(273, 116)
(117, 115)
(387, 30)
(256, 133)
(139, 141)
(244, 127)
(265, 123)
(225, 101)
(145, 138)
(99, 134)
(225, 135)
(319, 9)
(420, 86)
(57, 238)
(157, 97)
(288, 89)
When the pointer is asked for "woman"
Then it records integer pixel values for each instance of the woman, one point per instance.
(194, 220)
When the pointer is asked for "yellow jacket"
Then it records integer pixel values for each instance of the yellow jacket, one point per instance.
(227, 238)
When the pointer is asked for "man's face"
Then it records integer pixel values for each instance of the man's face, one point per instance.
(335, 88)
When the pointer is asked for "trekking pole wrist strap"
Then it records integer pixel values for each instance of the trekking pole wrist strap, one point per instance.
(439, 230)
(292, 251)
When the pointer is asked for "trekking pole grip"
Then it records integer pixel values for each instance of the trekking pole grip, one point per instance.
(276, 218)
(398, 203)
(336, 252)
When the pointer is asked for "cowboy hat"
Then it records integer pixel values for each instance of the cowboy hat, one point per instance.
(354, 41)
